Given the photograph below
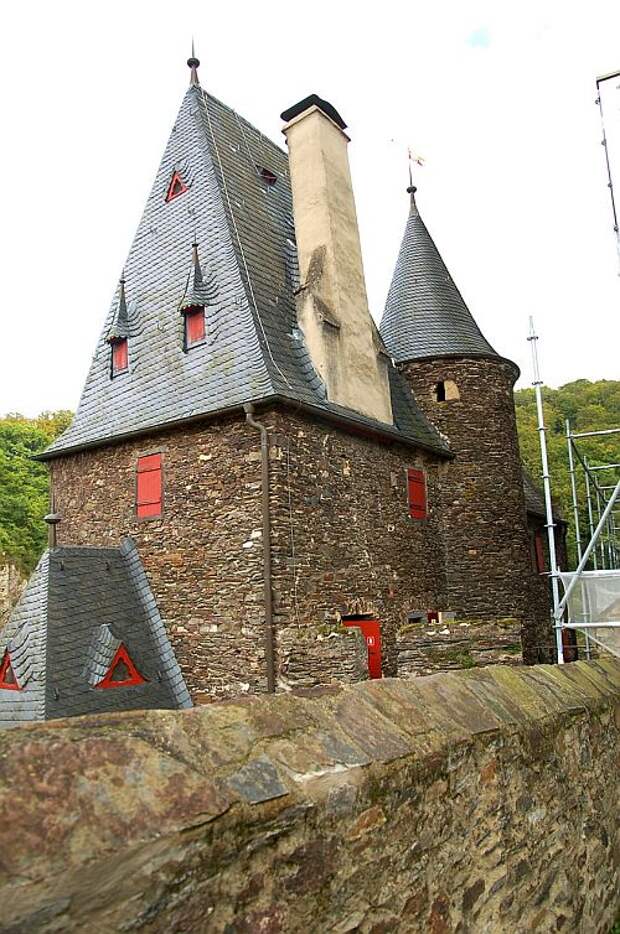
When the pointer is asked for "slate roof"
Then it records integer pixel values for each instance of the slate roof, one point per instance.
(255, 352)
(79, 605)
(425, 314)
(535, 500)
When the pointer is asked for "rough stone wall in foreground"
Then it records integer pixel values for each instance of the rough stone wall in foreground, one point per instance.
(476, 801)
(488, 554)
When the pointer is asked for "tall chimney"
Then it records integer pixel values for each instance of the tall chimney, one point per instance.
(332, 306)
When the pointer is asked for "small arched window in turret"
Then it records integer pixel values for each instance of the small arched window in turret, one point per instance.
(446, 391)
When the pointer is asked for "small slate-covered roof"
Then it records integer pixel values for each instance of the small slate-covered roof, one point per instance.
(78, 607)
(119, 328)
(535, 499)
(243, 223)
(425, 314)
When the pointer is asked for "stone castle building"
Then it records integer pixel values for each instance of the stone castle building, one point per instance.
(255, 473)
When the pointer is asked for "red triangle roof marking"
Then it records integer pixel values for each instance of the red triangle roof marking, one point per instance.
(121, 657)
(176, 187)
(6, 670)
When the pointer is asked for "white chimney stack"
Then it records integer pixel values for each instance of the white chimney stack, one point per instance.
(332, 307)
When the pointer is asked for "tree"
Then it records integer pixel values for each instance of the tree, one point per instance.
(24, 485)
(590, 407)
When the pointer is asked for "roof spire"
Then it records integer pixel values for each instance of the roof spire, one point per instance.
(120, 321)
(193, 63)
(412, 188)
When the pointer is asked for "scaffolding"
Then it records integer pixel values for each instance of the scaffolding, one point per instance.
(591, 601)
(608, 100)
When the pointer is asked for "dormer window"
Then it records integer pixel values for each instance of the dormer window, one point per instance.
(194, 325)
(176, 187)
(120, 356)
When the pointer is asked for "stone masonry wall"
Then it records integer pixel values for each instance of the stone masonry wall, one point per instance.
(489, 566)
(476, 801)
(11, 585)
(342, 540)
(203, 557)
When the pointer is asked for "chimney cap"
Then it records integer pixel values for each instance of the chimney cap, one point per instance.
(313, 100)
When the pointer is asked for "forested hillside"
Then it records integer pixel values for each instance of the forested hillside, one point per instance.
(24, 485)
(590, 407)
(24, 491)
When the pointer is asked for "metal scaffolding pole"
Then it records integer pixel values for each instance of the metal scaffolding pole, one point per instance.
(590, 517)
(550, 524)
(585, 557)
(573, 486)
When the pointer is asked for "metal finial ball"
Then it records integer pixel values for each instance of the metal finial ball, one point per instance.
(193, 62)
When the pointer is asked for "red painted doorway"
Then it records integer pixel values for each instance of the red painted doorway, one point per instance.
(371, 630)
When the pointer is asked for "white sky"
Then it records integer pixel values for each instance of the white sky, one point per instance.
(498, 98)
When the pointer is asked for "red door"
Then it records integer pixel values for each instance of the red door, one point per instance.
(371, 630)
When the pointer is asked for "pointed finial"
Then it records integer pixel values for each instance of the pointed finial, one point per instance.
(193, 63)
(412, 188)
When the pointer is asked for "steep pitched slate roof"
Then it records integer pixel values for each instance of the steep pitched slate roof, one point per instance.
(425, 314)
(255, 350)
(78, 607)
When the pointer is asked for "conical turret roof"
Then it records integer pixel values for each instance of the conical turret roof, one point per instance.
(425, 314)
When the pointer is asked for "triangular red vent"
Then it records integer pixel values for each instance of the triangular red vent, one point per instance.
(122, 672)
(8, 681)
(176, 187)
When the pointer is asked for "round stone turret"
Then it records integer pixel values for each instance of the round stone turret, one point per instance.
(466, 390)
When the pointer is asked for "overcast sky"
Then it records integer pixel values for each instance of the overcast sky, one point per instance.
(497, 97)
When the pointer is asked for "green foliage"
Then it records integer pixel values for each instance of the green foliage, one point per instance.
(24, 496)
(590, 407)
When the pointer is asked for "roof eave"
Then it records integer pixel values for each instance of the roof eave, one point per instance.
(348, 422)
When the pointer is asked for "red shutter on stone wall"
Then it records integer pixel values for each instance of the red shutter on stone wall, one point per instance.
(149, 486)
(416, 485)
(120, 360)
(540, 551)
(194, 326)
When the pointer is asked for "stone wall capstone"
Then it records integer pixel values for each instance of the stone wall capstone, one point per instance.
(483, 800)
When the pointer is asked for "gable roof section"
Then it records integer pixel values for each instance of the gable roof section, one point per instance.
(245, 231)
(425, 314)
(78, 603)
(535, 499)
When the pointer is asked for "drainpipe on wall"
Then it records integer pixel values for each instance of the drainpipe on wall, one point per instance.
(269, 641)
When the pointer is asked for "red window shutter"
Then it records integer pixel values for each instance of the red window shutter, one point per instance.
(149, 486)
(120, 359)
(176, 187)
(416, 484)
(194, 326)
(540, 552)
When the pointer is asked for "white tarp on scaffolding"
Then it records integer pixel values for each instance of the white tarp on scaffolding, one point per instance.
(594, 607)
